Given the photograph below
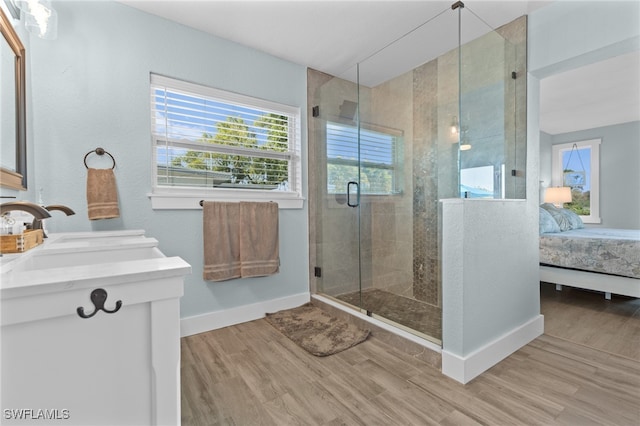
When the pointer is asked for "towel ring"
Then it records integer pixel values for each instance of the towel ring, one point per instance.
(100, 151)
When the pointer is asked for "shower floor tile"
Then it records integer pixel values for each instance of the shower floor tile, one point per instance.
(414, 314)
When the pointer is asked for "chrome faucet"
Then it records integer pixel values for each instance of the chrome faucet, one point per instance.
(35, 210)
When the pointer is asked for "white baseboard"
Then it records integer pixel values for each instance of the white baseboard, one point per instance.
(219, 319)
(464, 369)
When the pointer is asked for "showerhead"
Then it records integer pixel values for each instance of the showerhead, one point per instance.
(348, 109)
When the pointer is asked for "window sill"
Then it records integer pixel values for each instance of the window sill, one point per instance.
(167, 199)
(591, 219)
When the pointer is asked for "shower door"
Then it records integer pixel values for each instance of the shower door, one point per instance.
(363, 205)
(334, 184)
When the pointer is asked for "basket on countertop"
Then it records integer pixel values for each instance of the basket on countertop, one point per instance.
(21, 243)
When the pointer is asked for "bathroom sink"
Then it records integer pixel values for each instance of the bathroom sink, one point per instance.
(69, 250)
(7, 258)
(98, 243)
(82, 261)
(48, 259)
(89, 239)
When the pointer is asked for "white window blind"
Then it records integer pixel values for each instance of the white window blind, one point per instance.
(370, 159)
(207, 139)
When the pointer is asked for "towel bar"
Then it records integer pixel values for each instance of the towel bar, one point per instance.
(202, 203)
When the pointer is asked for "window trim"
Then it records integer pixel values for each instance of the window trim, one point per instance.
(183, 197)
(557, 173)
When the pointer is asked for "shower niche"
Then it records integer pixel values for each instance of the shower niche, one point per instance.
(428, 117)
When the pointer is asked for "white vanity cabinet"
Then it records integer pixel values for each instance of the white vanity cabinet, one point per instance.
(115, 367)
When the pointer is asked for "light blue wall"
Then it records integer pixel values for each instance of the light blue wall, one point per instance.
(90, 88)
(619, 171)
(490, 270)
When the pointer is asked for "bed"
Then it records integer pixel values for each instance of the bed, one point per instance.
(600, 259)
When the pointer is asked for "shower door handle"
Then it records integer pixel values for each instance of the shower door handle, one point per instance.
(349, 194)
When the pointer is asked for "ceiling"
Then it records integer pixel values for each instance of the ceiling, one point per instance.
(332, 36)
(600, 94)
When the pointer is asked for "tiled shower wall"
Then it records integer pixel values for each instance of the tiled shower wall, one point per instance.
(426, 169)
(391, 216)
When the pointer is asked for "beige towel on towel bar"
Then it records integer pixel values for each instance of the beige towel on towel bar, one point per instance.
(259, 243)
(240, 240)
(221, 235)
(102, 194)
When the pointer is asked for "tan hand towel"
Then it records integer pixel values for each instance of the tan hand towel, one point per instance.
(221, 235)
(259, 243)
(102, 194)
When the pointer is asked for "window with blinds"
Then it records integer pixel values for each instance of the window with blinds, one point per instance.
(374, 160)
(205, 138)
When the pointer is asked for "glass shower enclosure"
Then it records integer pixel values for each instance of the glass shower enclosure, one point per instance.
(425, 118)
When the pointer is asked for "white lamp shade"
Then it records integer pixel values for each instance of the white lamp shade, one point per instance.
(558, 195)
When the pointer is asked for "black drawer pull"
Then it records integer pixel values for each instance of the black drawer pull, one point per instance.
(98, 297)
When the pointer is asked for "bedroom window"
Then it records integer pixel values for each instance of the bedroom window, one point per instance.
(217, 145)
(576, 165)
(376, 161)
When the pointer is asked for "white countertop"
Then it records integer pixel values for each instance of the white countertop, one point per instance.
(92, 252)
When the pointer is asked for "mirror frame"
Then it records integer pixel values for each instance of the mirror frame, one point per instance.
(8, 178)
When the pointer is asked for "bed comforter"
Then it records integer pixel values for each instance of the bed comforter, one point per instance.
(609, 251)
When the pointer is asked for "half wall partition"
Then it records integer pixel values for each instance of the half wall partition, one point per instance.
(438, 113)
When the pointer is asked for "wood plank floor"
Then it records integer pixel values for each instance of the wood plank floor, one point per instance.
(250, 374)
(586, 317)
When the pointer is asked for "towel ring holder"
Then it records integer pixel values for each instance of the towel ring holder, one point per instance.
(99, 151)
